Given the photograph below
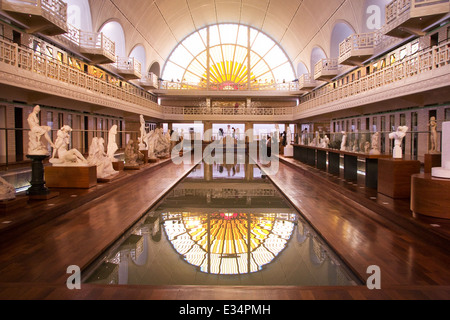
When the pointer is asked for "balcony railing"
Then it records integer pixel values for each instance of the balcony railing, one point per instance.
(129, 68)
(273, 87)
(149, 81)
(326, 69)
(228, 111)
(410, 17)
(356, 49)
(28, 60)
(307, 82)
(95, 46)
(44, 16)
(419, 64)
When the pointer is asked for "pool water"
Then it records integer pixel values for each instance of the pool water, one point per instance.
(222, 225)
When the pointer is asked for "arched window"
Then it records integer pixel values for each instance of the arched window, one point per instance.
(228, 57)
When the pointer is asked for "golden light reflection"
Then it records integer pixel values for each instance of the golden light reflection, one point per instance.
(228, 242)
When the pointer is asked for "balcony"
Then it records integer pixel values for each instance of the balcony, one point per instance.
(326, 69)
(48, 17)
(410, 17)
(128, 68)
(307, 83)
(98, 48)
(150, 81)
(356, 49)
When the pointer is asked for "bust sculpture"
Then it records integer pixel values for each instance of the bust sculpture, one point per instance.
(7, 191)
(35, 145)
(63, 157)
(398, 137)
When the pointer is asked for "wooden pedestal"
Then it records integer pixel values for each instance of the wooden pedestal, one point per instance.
(432, 161)
(430, 196)
(119, 165)
(394, 177)
(71, 177)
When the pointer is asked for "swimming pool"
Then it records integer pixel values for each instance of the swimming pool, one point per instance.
(221, 225)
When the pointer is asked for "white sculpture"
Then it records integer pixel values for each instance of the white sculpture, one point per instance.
(35, 145)
(398, 137)
(7, 191)
(162, 144)
(288, 149)
(62, 157)
(344, 141)
(130, 154)
(324, 142)
(151, 141)
(444, 171)
(434, 136)
(98, 157)
(112, 145)
(143, 137)
(375, 144)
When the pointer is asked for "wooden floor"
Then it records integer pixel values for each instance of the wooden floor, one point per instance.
(75, 228)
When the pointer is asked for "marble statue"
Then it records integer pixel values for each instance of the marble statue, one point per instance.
(434, 136)
(62, 156)
(35, 145)
(99, 158)
(367, 147)
(112, 145)
(324, 142)
(344, 141)
(7, 191)
(375, 146)
(288, 149)
(398, 137)
(143, 137)
(131, 156)
(151, 141)
(288, 136)
(162, 144)
(444, 171)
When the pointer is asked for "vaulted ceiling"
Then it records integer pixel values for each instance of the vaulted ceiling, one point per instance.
(297, 25)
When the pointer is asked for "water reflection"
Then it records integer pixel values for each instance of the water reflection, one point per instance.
(216, 230)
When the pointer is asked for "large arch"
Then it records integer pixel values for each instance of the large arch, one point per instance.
(155, 68)
(302, 69)
(317, 54)
(233, 53)
(139, 53)
(341, 31)
(79, 14)
(114, 31)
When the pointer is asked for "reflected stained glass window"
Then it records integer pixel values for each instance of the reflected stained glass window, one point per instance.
(231, 57)
(229, 243)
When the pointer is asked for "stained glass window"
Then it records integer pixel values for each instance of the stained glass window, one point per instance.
(228, 57)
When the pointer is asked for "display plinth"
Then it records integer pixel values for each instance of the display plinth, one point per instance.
(38, 189)
(432, 160)
(13, 204)
(394, 177)
(119, 165)
(430, 196)
(71, 177)
(145, 153)
(131, 167)
(289, 151)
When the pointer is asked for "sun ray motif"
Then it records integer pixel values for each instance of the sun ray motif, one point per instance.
(232, 63)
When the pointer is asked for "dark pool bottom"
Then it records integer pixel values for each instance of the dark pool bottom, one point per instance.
(222, 225)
